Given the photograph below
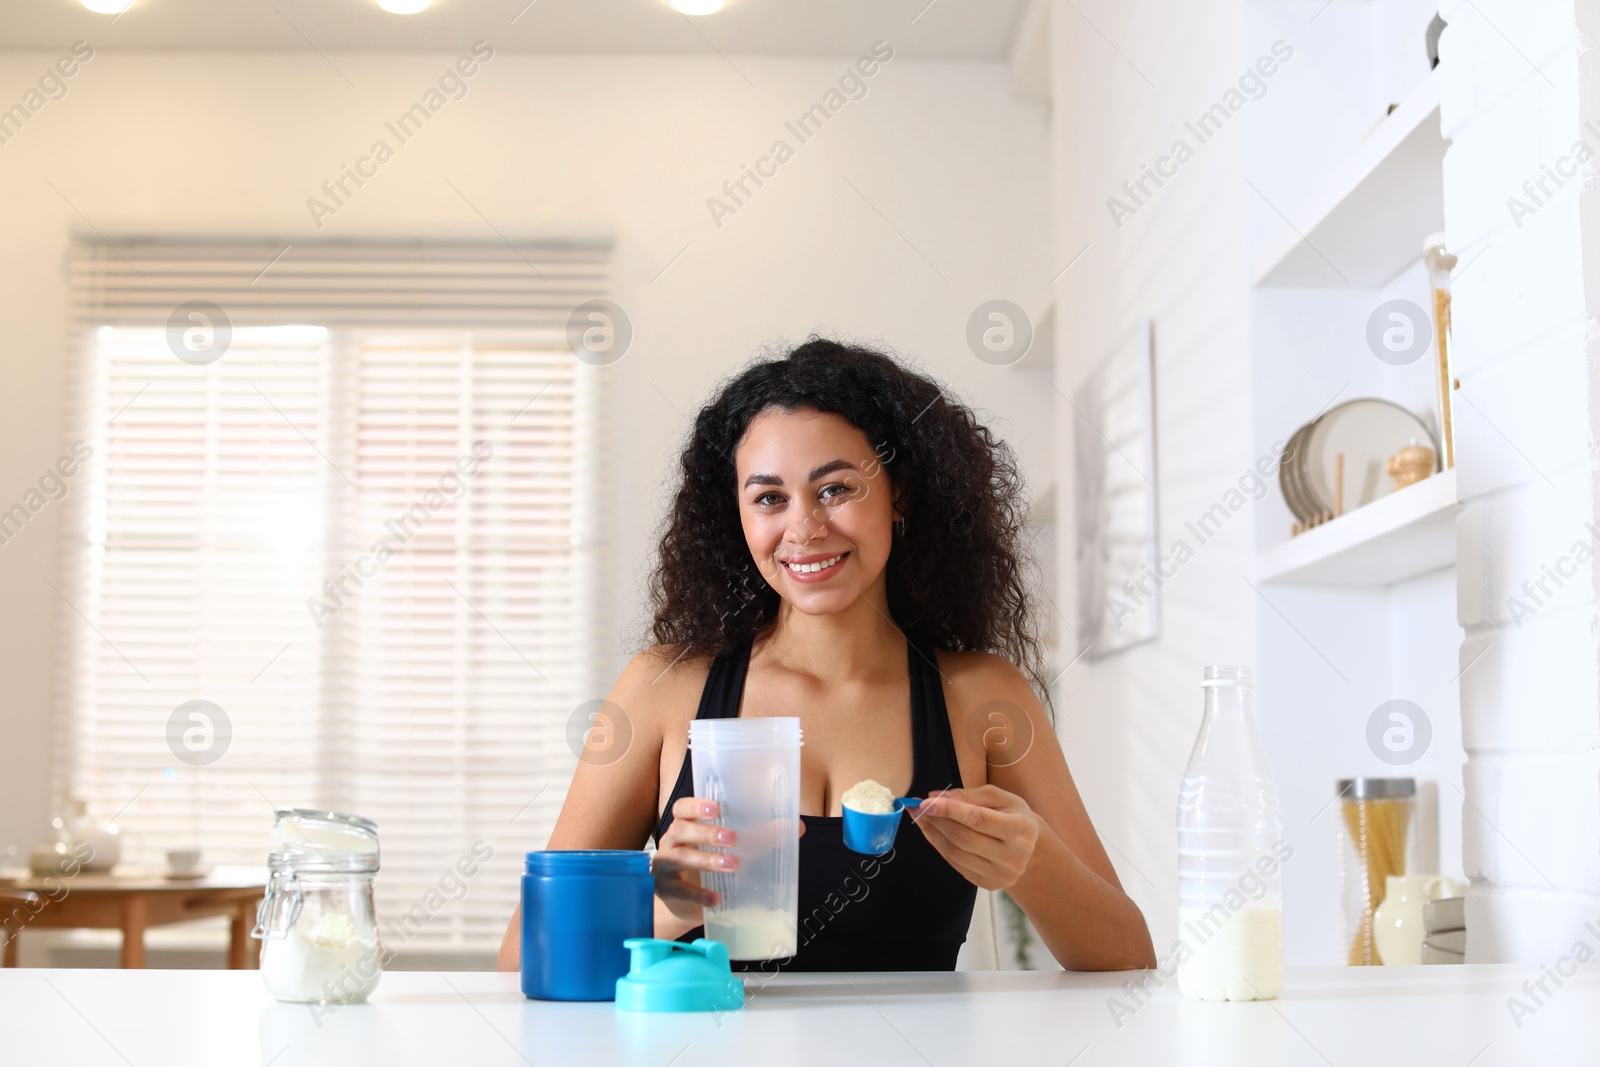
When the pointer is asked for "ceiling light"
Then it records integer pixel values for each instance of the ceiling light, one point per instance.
(107, 7)
(696, 7)
(403, 7)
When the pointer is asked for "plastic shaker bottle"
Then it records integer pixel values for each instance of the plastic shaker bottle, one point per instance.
(751, 768)
(1230, 847)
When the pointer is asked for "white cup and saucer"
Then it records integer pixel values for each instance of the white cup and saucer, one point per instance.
(185, 863)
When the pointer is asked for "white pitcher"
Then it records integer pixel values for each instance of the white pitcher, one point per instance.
(1397, 928)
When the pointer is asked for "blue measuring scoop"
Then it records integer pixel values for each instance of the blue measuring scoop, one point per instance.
(871, 834)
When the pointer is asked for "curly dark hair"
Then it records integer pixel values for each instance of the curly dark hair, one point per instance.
(958, 572)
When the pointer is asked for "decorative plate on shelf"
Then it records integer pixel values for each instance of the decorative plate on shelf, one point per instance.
(1367, 431)
(1289, 475)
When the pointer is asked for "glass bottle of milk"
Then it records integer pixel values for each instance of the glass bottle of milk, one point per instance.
(1230, 848)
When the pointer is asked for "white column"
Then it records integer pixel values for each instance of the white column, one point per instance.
(1521, 104)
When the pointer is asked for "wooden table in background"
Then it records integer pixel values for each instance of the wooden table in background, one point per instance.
(133, 900)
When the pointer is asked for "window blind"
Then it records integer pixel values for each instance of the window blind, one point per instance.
(366, 533)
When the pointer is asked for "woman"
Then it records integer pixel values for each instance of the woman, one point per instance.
(844, 547)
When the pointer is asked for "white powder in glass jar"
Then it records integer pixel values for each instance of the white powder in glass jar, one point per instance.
(321, 962)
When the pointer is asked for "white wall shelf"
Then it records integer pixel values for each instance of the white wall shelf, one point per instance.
(1367, 600)
(1368, 221)
(1399, 536)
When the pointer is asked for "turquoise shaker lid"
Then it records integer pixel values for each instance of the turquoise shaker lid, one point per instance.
(673, 976)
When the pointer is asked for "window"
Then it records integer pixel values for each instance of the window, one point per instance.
(363, 534)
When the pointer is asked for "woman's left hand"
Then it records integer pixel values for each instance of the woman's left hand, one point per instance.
(987, 834)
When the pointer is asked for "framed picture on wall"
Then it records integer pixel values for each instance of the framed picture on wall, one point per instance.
(1119, 595)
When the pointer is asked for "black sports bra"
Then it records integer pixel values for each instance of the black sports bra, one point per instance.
(908, 910)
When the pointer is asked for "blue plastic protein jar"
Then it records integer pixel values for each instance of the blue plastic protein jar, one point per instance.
(578, 908)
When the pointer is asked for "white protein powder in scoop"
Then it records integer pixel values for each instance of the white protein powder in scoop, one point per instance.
(869, 797)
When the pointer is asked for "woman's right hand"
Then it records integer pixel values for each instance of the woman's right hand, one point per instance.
(684, 851)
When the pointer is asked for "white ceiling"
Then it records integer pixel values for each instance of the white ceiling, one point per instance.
(947, 29)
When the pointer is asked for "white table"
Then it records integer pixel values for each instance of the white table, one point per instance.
(1366, 1016)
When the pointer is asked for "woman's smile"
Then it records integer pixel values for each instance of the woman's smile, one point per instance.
(813, 567)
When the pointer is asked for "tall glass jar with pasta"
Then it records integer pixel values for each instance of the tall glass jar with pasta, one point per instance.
(1377, 832)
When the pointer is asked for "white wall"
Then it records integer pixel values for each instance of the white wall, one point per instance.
(1125, 88)
(628, 148)
(1525, 353)
(1128, 722)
